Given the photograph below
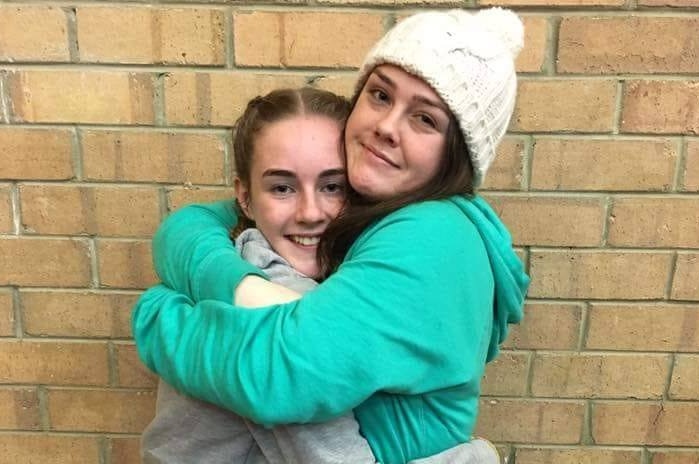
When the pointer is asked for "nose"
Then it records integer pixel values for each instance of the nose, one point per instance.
(387, 127)
(309, 210)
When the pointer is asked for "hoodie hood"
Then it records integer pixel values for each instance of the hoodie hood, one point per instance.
(511, 282)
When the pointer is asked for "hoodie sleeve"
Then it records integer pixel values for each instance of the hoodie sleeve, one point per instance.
(193, 253)
(413, 292)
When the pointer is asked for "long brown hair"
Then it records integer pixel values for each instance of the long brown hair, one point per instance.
(454, 177)
(276, 106)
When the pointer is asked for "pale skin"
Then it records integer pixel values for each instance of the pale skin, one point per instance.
(395, 138)
(296, 186)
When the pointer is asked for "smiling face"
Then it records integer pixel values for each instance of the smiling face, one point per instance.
(395, 137)
(297, 186)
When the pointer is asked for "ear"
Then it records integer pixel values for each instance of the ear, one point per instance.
(242, 194)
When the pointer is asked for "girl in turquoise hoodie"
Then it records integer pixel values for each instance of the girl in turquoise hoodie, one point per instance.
(422, 280)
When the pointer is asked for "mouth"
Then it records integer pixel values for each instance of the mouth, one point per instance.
(305, 240)
(376, 153)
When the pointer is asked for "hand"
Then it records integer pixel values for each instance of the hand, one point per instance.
(254, 292)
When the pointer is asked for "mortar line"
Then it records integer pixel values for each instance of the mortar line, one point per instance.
(4, 99)
(94, 263)
(159, 105)
(618, 106)
(671, 277)
(229, 39)
(44, 417)
(584, 326)
(72, 33)
(17, 313)
(228, 162)
(527, 163)
(679, 178)
(16, 209)
(76, 153)
(552, 36)
(105, 448)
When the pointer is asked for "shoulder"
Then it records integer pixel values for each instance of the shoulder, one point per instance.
(440, 217)
(439, 226)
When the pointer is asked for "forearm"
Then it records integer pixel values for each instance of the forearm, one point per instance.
(193, 254)
(230, 349)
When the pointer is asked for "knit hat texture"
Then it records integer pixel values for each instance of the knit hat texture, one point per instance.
(469, 60)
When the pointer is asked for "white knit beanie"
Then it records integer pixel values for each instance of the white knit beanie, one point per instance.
(469, 60)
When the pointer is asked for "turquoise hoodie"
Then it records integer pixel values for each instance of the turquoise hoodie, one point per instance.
(400, 333)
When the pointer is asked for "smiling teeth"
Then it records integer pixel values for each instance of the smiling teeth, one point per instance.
(305, 241)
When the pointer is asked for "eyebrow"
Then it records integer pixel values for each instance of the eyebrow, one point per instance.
(285, 173)
(420, 98)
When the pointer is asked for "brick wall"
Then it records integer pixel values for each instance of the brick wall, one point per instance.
(112, 114)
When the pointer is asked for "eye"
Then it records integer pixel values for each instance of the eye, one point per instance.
(334, 188)
(281, 189)
(379, 95)
(427, 120)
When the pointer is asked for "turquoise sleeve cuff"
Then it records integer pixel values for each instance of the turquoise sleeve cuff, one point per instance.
(220, 273)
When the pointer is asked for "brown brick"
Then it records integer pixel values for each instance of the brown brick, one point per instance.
(572, 375)
(105, 211)
(547, 220)
(49, 449)
(691, 170)
(109, 97)
(584, 164)
(683, 385)
(641, 327)
(339, 84)
(655, 222)
(126, 264)
(506, 172)
(35, 154)
(684, 282)
(301, 39)
(217, 98)
(570, 105)
(153, 156)
(6, 222)
(33, 34)
(132, 373)
(532, 56)
(179, 197)
(587, 455)
(630, 423)
(19, 409)
(662, 107)
(629, 44)
(552, 422)
(7, 315)
(507, 375)
(598, 275)
(77, 314)
(56, 363)
(125, 450)
(100, 410)
(674, 456)
(151, 35)
(25, 262)
(553, 326)
(393, 3)
(670, 3)
(549, 3)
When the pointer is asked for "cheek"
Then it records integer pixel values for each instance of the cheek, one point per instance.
(270, 213)
(334, 207)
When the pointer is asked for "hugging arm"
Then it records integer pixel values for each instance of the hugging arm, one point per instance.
(193, 252)
(320, 356)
